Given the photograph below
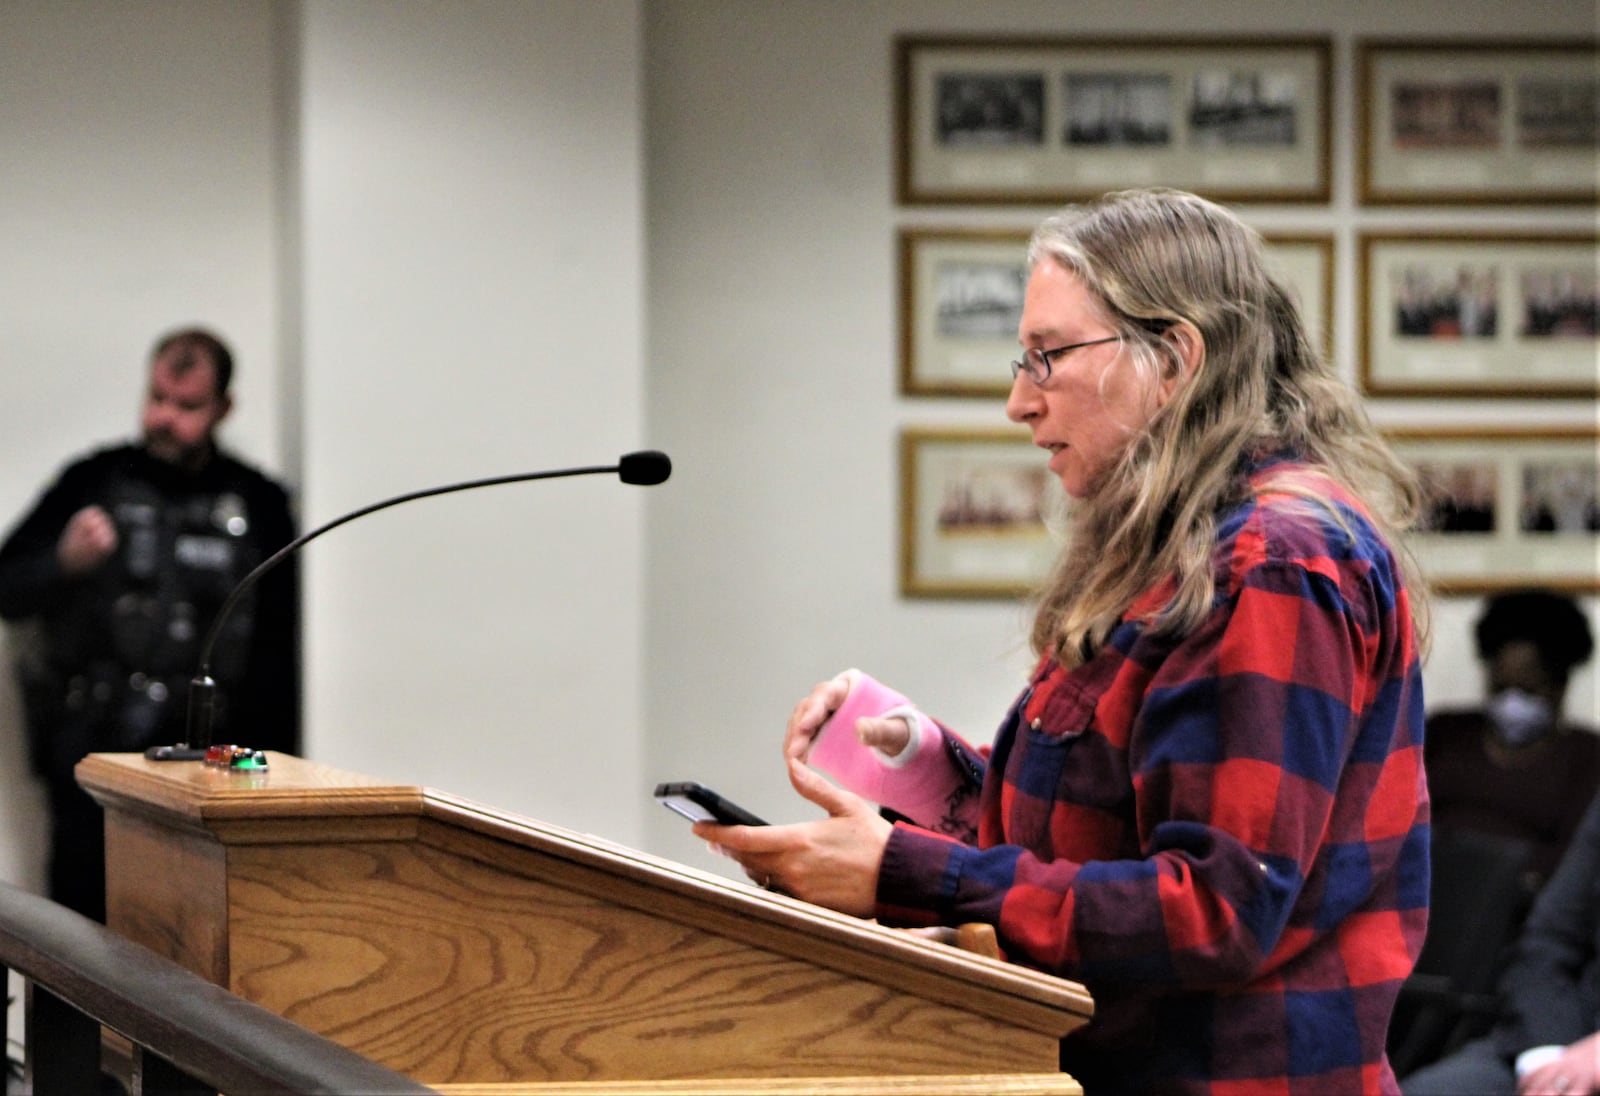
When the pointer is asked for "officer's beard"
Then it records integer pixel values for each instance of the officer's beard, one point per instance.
(167, 449)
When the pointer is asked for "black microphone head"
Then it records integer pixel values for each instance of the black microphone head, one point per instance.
(645, 468)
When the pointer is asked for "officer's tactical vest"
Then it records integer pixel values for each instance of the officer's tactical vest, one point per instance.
(122, 655)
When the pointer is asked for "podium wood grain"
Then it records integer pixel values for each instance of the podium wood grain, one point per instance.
(460, 944)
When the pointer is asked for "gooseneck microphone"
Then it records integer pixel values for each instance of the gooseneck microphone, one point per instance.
(644, 468)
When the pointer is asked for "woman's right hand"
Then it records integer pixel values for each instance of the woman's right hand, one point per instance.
(815, 709)
(889, 735)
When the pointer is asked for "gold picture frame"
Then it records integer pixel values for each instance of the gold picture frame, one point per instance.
(1479, 121)
(961, 290)
(1511, 507)
(975, 513)
(960, 302)
(999, 120)
(1475, 315)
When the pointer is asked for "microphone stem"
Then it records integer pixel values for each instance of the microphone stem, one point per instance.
(643, 468)
(273, 560)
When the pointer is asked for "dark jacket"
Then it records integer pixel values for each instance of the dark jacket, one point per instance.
(111, 653)
(1551, 988)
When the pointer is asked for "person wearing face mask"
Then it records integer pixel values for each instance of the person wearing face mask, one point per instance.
(113, 579)
(1515, 765)
(1207, 805)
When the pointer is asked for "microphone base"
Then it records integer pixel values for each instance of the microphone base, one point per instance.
(175, 753)
(232, 758)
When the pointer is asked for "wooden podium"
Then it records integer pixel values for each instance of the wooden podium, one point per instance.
(475, 949)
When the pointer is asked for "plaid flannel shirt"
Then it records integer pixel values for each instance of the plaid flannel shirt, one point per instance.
(1222, 835)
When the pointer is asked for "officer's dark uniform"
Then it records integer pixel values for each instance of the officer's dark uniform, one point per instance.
(106, 663)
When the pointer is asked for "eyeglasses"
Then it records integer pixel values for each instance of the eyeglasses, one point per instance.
(1036, 362)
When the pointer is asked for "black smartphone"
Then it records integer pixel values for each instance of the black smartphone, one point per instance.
(698, 803)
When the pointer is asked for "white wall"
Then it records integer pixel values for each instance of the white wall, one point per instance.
(472, 305)
(457, 239)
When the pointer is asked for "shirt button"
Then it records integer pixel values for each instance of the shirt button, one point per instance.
(1036, 724)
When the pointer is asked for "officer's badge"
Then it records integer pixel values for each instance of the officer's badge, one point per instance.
(229, 515)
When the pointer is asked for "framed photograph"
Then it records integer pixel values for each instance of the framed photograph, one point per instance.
(1304, 262)
(1478, 121)
(961, 301)
(1480, 315)
(976, 513)
(1509, 507)
(1045, 121)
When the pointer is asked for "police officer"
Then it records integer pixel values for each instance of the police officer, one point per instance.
(118, 572)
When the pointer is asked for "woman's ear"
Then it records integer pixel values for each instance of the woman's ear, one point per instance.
(1186, 351)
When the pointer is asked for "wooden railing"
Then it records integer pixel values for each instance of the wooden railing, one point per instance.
(188, 1035)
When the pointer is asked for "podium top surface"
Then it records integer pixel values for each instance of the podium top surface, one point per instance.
(199, 792)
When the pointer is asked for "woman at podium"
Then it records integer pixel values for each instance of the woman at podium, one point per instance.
(1208, 804)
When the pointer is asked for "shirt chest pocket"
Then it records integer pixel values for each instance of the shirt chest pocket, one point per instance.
(1060, 767)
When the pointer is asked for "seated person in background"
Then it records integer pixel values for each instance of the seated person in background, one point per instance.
(1545, 1039)
(1514, 766)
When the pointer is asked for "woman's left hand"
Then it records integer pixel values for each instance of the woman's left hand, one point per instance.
(831, 862)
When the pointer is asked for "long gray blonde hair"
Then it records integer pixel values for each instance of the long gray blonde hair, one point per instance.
(1150, 259)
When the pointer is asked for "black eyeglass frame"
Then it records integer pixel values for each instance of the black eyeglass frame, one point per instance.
(1026, 364)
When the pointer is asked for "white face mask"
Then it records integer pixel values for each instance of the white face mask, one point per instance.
(1519, 717)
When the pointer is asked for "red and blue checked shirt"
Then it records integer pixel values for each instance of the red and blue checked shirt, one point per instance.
(1222, 835)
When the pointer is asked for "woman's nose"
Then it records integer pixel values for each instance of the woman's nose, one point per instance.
(1024, 400)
